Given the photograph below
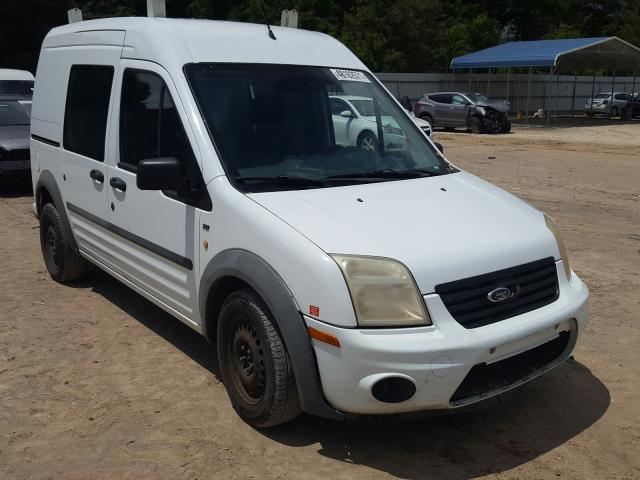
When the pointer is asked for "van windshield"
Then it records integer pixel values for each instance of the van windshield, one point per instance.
(282, 127)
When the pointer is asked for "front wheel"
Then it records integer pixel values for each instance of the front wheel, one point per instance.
(506, 126)
(477, 125)
(255, 367)
(367, 141)
(615, 112)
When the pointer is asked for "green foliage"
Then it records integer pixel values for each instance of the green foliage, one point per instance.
(392, 35)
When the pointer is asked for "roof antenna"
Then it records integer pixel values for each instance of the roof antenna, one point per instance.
(266, 20)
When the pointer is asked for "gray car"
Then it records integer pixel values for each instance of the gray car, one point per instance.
(602, 103)
(15, 117)
(473, 111)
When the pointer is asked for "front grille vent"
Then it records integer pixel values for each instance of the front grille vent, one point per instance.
(532, 285)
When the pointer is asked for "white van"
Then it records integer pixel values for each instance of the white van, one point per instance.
(197, 163)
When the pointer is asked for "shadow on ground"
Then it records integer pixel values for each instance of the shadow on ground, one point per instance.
(15, 187)
(528, 422)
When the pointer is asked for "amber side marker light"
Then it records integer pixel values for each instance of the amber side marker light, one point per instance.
(323, 337)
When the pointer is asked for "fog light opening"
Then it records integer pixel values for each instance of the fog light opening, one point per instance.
(393, 390)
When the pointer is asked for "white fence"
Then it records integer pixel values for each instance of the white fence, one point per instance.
(567, 94)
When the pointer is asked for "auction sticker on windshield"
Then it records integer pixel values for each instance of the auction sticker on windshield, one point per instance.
(349, 75)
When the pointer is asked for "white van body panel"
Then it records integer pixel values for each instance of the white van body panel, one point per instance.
(71, 170)
(423, 237)
(238, 222)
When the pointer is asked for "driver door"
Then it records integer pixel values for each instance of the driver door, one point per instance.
(459, 110)
(155, 237)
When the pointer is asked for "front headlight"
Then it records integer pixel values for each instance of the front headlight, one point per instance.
(383, 292)
(551, 225)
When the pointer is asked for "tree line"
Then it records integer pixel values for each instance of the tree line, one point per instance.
(391, 36)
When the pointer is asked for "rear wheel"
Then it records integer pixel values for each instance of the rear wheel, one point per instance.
(255, 367)
(476, 124)
(63, 262)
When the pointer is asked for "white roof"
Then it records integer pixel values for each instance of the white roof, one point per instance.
(174, 42)
(11, 74)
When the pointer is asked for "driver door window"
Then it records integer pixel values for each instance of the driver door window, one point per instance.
(151, 128)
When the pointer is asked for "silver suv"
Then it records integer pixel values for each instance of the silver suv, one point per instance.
(464, 110)
(602, 103)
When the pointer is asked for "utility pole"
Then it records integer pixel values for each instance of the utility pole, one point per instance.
(74, 15)
(289, 18)
(156, 8)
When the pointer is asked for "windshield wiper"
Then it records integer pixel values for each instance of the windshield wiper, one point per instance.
(387, 173)
(282, 179)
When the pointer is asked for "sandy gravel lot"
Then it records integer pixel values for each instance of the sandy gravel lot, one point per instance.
(97, 383)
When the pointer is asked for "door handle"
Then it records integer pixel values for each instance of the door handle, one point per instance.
(97, 175)
(118, 184)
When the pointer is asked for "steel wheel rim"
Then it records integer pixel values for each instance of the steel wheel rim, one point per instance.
(248, 370)
(367, 143)
(50, 244)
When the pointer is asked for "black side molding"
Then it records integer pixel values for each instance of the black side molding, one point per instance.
(133, 238)
(48, 141)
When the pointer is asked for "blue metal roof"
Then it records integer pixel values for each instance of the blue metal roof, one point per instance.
(539, 53)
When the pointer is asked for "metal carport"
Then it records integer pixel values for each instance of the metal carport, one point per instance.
(565, 55)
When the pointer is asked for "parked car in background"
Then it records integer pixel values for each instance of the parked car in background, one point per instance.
(16, 82)
(354, 124)
(425, 126)
(15, 117)
(602, 103)
(473, 111)
(631, 109)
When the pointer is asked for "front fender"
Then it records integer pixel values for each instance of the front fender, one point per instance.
(259, 275)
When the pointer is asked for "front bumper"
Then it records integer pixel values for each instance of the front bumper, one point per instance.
(597, 108)
(437, 358)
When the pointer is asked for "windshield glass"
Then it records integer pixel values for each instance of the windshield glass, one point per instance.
(603, 95)
(16, 87)
(477, 98)
(280, 127)
(15, 112)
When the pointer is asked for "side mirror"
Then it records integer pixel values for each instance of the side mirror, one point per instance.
(346, 114)
(439, 146)
(158, 174)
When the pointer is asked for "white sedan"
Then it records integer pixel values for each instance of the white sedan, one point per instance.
(354, 124)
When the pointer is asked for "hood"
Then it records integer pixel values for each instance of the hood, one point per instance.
(500, 105)
(442, 228)
(14, 137)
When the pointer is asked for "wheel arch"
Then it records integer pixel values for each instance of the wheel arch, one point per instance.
(233, 269)
(47, 191)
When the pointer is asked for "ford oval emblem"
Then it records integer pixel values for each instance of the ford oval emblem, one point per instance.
(499, 294)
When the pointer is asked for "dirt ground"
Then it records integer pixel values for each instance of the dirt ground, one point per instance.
(97, 383)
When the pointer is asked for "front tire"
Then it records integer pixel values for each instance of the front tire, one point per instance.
(63, 262)
(477, 125)
(615, 112)
(255, 367)
(368, 141)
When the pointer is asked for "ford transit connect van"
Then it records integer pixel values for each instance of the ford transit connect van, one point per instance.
(201, 164)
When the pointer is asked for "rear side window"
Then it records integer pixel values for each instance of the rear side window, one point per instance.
(150, 127)
(85, 119)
